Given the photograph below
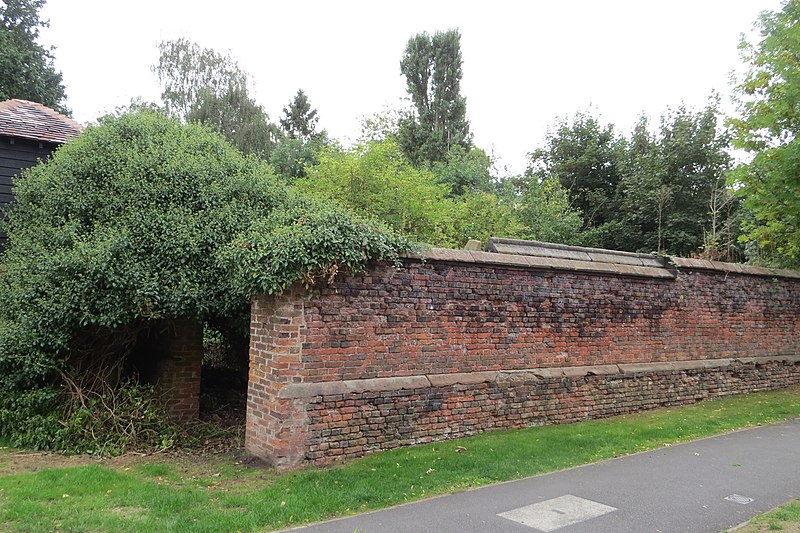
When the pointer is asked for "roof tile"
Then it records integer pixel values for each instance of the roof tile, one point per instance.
(29, 120)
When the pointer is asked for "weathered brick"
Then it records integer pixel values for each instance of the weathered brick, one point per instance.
(483, 346)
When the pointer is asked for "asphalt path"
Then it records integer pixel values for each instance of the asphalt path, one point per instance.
(673, 489)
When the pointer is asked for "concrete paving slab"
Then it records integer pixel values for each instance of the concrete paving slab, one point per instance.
(557, 513)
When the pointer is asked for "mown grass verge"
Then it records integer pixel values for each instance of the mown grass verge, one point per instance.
(784, 518)
(221, 495)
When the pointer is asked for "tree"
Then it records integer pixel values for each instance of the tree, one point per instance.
(481, 215)
(692, 161)
(431, 65)
(543, 210)
(670, 179)
(299, 121)
(377, 180)
(26, 67)
(649, 192)
(583, 156)
(298, 149)
(465, 171)
(768, 127)
(238, 118)
(201, 85)
(142, 220)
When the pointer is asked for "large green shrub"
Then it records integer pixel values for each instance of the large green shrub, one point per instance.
(143, 219)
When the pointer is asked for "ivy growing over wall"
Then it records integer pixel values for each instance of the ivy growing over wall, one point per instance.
(141, 219)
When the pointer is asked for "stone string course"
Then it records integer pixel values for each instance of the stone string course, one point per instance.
(360, 423)
(464, 342)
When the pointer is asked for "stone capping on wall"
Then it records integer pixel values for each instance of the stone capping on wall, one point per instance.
(358, 386)
(541, 263)
(580, 253)
(549, 256)
(733, 268)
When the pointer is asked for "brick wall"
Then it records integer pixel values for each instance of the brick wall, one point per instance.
(396, 356)
(178, 373)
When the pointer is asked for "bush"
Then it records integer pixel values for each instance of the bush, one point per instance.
(144, 219)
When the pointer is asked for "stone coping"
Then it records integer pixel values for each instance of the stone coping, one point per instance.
(733, 268)
(357, 386)
(580, 253)
(542, 263)
(597, 263)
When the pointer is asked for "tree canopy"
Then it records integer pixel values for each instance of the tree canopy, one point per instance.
(432, 65)
(661, 189)
(26, 67)
(299, 121)
(768, 127)
(202, 85)
(582, 155)
(301, 143)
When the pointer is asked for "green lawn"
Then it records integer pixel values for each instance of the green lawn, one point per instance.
(784, 518)
(217, 494)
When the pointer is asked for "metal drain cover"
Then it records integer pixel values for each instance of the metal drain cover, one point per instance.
(738, 498)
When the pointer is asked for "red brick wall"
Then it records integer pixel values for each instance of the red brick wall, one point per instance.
(178, 374)
(450, 317)
(352, 425)
(276, 427)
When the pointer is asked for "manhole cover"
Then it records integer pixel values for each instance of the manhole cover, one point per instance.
(738, 498)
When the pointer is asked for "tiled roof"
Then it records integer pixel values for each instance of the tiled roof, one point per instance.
(29, 120)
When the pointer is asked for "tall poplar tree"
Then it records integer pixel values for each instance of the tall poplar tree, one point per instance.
(432, 65)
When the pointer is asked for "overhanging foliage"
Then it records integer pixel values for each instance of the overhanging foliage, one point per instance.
(143, 218)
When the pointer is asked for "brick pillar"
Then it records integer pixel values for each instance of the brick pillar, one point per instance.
(276, 427)
(178, 374)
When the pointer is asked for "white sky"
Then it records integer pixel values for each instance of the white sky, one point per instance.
(525, 62)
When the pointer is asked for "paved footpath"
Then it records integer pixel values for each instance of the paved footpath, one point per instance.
(704, 486)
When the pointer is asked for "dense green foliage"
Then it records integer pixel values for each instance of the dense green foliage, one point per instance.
(582, 155)
(143, 219)
(202, 85)
(672, 193)
(661, 190)
(465, 171)
(26, 67)
(544, 210)
(377, 180)
(298, 148)
(768, 127)
(431, 65)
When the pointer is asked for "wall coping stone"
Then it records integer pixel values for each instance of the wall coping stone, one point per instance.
(540, 263)
(564, 251)
(733, 268)
(329, 388)
(598, 262)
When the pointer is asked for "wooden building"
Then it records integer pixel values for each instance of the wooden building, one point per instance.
(29, 132)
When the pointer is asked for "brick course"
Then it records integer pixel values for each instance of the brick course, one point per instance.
(178, 374)
(441, 317)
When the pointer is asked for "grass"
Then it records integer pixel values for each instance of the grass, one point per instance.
(784, 518)
(222, 495)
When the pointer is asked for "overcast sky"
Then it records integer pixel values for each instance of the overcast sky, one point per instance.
(525, 62)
